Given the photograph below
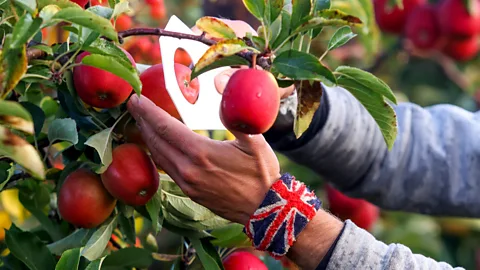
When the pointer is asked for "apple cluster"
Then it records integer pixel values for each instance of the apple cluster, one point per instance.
(447, 26)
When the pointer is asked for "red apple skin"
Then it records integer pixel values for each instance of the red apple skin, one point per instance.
(422, 27)
(132, 176)
(462, 49)
(100, 88)
(81, 3)
(392, 20)
(154, 87)
(454, 19)
(250, 101)
(243, 260)
(83, 201)
(360, 212)
(123, 23)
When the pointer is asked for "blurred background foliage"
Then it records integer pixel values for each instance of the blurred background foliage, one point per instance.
(422, 80)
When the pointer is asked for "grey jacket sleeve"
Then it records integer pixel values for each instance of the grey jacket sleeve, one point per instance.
(358, 249)
(433, 168)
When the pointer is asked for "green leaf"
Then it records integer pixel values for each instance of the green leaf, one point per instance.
(121, 7)
(16, 116)
(13, 65)
(112, 65)
(89, 20)
(375, 104)
(49, 106)
(95, 265)
(70, 260)
(105, 47)
(302, 66)
(368, 81)
(98, 242)
(47, 13)
(102, 142)
(29, 249)
(127, 226)
(230, 236)
(28, 5)
(129, 257)
(47, 49)
(300, 9)
(218, 51)
(320, 5)
(255, 7)
(37, 114)
(285, 30)
(102, 11)
(272, 10)
(232, 60)
(75, 240)
(215, 28)
(24, 30)
(63, 130)
(328, 17)
(340, 37)
(207, 254)
(6, 172)
(22, 152)
(60, 3)
(154, 210)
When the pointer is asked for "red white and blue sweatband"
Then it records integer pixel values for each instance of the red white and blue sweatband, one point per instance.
(286, 210)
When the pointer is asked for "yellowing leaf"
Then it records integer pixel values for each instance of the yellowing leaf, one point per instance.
(215, 28)
(14, 115)
(328, 17)
(13, 64)
(22, 152)
(11, 204)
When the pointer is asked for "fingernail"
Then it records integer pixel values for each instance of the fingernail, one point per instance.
(135, 99)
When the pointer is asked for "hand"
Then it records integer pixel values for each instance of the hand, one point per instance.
(231, 178)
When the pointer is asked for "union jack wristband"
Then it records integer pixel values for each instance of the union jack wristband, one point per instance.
(286, 210)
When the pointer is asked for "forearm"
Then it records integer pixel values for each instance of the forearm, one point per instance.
(435, 156)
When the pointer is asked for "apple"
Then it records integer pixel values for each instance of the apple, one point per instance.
(243, 260)
(157, 11)
(360, 212)
(153, 82)
(391, 19)
(131, 177)
(182, 57)
(100, 88)
(123, 23)
(250, 101)
(454, 19)
(422, 27)
(462, 49)
(81, 3)
(83, 201)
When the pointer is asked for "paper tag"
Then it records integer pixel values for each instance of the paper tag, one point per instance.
(205, 113)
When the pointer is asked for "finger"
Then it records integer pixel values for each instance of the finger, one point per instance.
(221, 80)
(165, 126)
(249, 143)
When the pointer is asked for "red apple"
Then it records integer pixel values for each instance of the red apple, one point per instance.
(250, 101)
(422, 28)
(454, 19)
(123, 23)
(182, 57)
(81, 3)
(100, 88)
(243, 260)
(157, 11)
(154, 87)
(391, 19)
(132, 176)
(462, 49)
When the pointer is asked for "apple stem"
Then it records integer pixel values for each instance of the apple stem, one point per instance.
(254, 61)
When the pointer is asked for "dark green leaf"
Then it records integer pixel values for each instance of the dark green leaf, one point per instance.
(105, 47)
(98, 242)
(255, 7)
(230, 236)
(207, 254)
(24, 30)
(70, 260)
(28, 5)
(63, 130)
(102, 142)
(96, 265)
(302, 66)
(89, 20)
(300, 9)
(154, 210)
(127, 226)
(340, 37)
(45, 48)
(223, 62)
(6, 172)
(129, 257)
(272, 10)
(75, 240)
(375, 104)
(28, 248)
(49, 106)
(113, 65)
(38, 116)
(285, 30)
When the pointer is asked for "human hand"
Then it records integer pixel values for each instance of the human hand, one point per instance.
(231, 178)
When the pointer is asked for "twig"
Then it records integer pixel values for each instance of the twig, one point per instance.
(162, 32)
